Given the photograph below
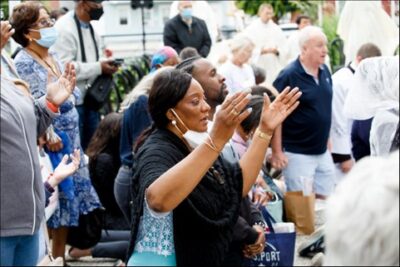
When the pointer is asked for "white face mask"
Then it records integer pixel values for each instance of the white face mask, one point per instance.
(193, 138)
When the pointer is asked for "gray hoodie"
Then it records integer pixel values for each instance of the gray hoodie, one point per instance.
(21, 187)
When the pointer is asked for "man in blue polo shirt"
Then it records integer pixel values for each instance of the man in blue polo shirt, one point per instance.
(305, 132)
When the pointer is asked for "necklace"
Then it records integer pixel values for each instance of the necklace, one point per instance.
(52, 67)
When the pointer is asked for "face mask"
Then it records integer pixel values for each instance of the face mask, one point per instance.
(193, 138)
(48, 37)
(95, 14)
(186, 13)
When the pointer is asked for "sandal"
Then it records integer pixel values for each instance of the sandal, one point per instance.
(68, 256)
(119, 263)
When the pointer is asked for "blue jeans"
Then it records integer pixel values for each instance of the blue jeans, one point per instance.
(88, 122)
(20, 250)
(320, 167)
(122, 190)
(113, 244)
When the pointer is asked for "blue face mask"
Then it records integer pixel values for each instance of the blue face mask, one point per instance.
(48, 36)
(186, 13)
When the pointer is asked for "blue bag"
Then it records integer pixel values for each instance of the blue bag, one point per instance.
(67, 185)
(275, 207)
(279, 247)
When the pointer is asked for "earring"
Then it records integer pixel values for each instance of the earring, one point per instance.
(176, 126)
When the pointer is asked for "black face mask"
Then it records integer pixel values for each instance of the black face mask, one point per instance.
(95, 14)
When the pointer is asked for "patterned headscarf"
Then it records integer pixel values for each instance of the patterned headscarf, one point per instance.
(375, 88)
(375, 93)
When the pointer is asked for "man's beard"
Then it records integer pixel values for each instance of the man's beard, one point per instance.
(222, 95)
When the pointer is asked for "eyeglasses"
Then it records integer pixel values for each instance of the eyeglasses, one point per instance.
(44, 23)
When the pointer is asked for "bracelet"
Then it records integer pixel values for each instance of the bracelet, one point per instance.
(212, 148)
(49, 187)
(51, 106)
(263, 135)
(212, 145)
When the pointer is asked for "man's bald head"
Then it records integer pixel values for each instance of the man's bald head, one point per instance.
(206, 74)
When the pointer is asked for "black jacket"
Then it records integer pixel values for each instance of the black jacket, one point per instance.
(243, 233)
(103, 170)
(178, 35)
(203, 223)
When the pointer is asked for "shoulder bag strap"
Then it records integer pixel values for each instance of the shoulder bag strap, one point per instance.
(350, 68)
(78, 26)
(268, 219)
(81, 39)
(94, 41)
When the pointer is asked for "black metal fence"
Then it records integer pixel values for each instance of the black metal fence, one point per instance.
(125, 79)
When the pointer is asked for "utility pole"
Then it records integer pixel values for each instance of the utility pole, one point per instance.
(143, 30)
(142, 4)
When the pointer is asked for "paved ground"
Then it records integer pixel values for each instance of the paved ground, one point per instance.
(298, 261)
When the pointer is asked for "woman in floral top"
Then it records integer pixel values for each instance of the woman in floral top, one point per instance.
(35, 32)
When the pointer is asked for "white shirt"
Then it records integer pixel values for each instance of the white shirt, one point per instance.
(292, 50)
(237, 78)
(366, 21)
(46, 168)
(68, 49)
(267, 35)
(340, 133)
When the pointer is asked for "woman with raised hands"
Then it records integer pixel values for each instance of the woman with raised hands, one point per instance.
(35, 32)
(186, 197)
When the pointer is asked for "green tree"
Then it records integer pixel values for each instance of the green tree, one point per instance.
(281, 7)
(335, 44)
(4, 6)
(4, 9)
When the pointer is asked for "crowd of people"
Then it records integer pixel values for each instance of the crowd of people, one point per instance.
(180, 172)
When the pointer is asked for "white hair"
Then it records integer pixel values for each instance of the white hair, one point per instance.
(362, 227)
(240, 41)
(307, 33)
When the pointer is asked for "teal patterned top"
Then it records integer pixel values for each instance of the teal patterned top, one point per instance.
(155, 241)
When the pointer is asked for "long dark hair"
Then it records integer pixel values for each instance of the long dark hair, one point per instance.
(169, 87)
(251, 122)
(107, 131)
(187, 65)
